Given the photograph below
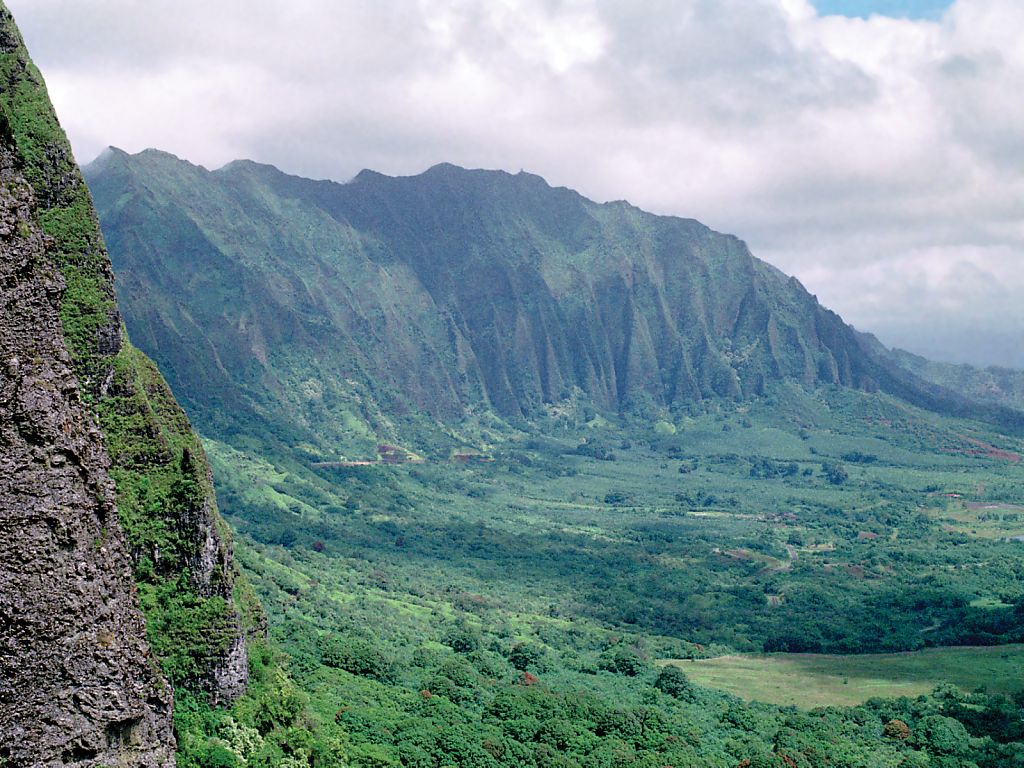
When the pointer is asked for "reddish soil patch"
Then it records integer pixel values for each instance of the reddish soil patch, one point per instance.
(985, 449)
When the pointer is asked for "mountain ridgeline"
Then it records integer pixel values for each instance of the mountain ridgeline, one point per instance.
(451, 291)
(325, 306)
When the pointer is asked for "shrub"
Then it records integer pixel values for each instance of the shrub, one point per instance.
(462, 639)
(621, 661)
(673, 681)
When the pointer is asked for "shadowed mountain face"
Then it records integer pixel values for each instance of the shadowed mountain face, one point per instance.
(319, 304)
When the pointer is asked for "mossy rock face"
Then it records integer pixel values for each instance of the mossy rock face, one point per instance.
(92, 324)
(78, 684)
(179, 545)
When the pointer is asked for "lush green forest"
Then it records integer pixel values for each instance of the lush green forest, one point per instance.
(482, 514)
(512, 605)
(836, 537)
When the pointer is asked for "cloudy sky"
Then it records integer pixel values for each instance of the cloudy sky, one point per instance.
(873, 148)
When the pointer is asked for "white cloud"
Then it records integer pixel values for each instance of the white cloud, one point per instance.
(877, 159)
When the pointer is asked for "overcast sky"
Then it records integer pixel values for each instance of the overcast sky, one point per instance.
(878, 156)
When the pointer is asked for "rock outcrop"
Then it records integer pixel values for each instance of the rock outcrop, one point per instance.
(106, 501)
(78, 684)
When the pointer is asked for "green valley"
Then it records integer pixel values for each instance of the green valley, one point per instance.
(683, 535)
(481, 510)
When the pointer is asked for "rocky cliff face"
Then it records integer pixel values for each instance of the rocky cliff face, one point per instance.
(82, 408)
(304, 309)
(78, 684)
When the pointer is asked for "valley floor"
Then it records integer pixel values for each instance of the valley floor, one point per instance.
(808, 680)
(513, 612)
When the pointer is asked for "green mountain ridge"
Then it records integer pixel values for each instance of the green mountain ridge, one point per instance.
(633, 441)
(452, 291)
(303, 319)
(998, 385)
(455, 290)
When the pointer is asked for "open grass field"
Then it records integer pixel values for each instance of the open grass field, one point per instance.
(808, 680)
(985, 520)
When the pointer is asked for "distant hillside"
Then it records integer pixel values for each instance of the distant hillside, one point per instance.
(325, 311)
(993, 385)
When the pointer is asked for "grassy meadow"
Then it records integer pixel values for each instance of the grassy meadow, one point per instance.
(808, 680)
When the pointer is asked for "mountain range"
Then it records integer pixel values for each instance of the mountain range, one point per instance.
(501, 461)
(328, 310)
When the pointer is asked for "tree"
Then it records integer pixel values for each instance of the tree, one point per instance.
(621, 661)
(524, 655)
(358, 657)
(941, 735)
(835, 473)
(462, 639)
(896, 729)
(673, 681)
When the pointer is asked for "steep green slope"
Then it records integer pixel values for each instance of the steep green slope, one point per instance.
(180, 547)
(327, 311)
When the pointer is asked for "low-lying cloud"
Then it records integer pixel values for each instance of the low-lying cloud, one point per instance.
(877, 159)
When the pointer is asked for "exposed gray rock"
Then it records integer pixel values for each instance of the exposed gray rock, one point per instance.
(146, 434)
(231, 674)
(213, 575)
(78, 685)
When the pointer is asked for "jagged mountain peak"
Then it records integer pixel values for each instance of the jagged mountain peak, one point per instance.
(451, 291)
